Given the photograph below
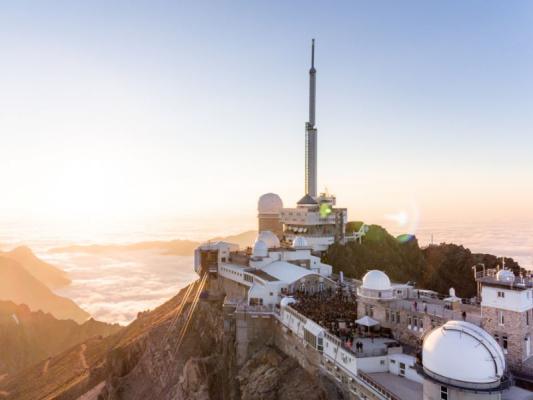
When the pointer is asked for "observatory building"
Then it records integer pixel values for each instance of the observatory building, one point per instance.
(372, 338)
(269, 207)
(315, 217)
(462, 361)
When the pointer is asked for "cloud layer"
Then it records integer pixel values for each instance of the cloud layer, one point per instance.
(114, 288)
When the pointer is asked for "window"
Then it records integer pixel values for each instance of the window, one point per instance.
(504, 344)
(387, 315)
(402, 369)
(398, 317)
(527, 317)
(223, 259)
(443, 393)
(501, 294)
(501, 318)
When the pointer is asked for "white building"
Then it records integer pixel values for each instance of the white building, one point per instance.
(267, 274)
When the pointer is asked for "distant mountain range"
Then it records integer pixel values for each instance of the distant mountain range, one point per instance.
(171, 247)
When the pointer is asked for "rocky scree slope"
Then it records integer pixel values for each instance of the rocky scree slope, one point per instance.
(143, 361)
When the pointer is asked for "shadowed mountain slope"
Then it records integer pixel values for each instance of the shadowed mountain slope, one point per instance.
(46, 273)
(436, 267)
(27, 337)
(19, 286)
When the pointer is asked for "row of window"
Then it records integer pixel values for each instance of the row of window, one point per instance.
(392, 316)
(415, 323)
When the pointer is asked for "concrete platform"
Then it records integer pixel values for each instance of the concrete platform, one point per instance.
(401, 387)
(372, 348)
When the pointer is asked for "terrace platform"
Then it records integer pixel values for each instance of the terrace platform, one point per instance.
(401, 388)
(373, 347)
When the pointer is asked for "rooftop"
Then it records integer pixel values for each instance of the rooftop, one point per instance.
(263, 275)
(373, 347)
(517, 284)
(401, 388)
(307, 199)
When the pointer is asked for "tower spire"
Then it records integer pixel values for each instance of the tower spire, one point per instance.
(310, 132)
(312, 86)
(313, 54)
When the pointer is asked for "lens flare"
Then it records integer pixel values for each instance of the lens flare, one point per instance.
(406, 222)
(325, 210)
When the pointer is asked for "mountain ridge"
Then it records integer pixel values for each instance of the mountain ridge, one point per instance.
(181, 247)
(21, 287)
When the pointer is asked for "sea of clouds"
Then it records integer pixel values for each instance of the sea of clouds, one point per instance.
(115, 287)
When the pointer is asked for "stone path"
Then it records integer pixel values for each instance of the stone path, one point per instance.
(45, 367)
(82, 356)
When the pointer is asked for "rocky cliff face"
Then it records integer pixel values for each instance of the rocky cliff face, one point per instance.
(145, 361)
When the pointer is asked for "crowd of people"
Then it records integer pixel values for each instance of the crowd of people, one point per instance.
(335, 310)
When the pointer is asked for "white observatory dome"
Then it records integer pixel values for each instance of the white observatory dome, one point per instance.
(376, 280)
(270, 239)
(269, 203)
(286, 301)
(299, 242)
(260, 249)
(505, 275)
(463, 353)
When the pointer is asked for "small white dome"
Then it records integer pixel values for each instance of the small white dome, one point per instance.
(452, 292)
(505, 275)
(376, 280)
(464, 353)
(299, 241)
(260, 249)
(270, 239)
(269, 203)
(286, 301)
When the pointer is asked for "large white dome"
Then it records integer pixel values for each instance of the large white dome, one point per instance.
(464, 353)
(505, 275)
(260, 248)
(376, 280)
(269, 238)
(269, 203)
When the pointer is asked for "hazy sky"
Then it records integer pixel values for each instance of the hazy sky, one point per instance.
(110, 110)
